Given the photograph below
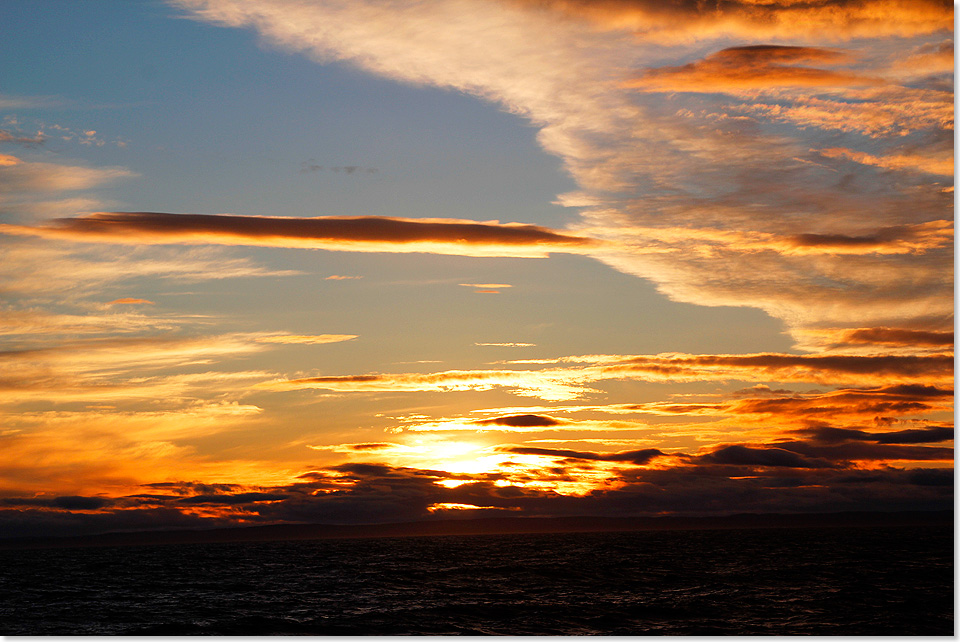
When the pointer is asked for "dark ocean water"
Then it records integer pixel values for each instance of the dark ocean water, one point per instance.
(859, 581)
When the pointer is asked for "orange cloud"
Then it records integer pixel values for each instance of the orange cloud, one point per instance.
(129, 301)
(358, 234)
(856, 404)
(886, 337)
(110, 369)
(941, 165)
(306, 338)
(898, 336)
(40, 325)
(542, 384)
(841, 369)
(751, 67)
(17, 175)
(690, 20)
(562, 383)
(900, 239)
(928, 58)
(875, 111)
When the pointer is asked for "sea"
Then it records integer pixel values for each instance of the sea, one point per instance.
(803, 581)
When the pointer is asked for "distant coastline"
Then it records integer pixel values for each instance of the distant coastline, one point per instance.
(486, 526)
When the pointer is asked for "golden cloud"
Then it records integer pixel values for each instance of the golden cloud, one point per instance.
(356, 234)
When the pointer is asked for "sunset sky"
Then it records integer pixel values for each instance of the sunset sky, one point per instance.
(357, 261)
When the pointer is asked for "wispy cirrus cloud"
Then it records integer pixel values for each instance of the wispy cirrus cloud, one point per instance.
(120, 368)
(306, 339)
(33, 267)
(17, 176)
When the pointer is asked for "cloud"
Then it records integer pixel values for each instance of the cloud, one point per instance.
(31, 267)
(520, 421)
(881, 112)
(338, 277)
(830, 435)
(878, 338)
(358, 234)
(820, 241)
(840, 369)
(638, 457)
(19, 138)
(865, 451)
(42, 327)
(767, 457)
(379, 493)
(117, 368)
(751, 67)
(130, 301)
(374, 446)
(562, 383)
(545, 385)
(238, 498)
(900, 239)
(70, 502)
(86, 451)
(928, 58)
(941, 164)
(309, 167)
(18, 175)
(488, 286)
(689, 20)
(306, 339)
(507, 345)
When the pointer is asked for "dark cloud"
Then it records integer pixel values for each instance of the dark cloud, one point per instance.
(521, 421)
(751, 67)
(239, 498)
(638, 457)
(748, 480)
(328, 231)
(19, 138)
(760, 389)
(900, 399)
(829, 435)
(898, 337)
(792, 367)
(187, 487)
(372, 446)
(867, 451)
(67, 502)
(880, 239)
(738, 455)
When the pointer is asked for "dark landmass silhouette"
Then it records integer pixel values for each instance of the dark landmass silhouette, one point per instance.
(487, 526)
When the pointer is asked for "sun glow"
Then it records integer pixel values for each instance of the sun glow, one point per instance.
(454, 506)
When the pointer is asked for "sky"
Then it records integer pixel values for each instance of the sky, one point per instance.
(268, 261)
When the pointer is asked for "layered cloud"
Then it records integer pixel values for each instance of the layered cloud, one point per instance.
(752, 67)
(728, 198)
(684, 21)
(358, 234)
(794, 157)
(733, 478)
(560, 383)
